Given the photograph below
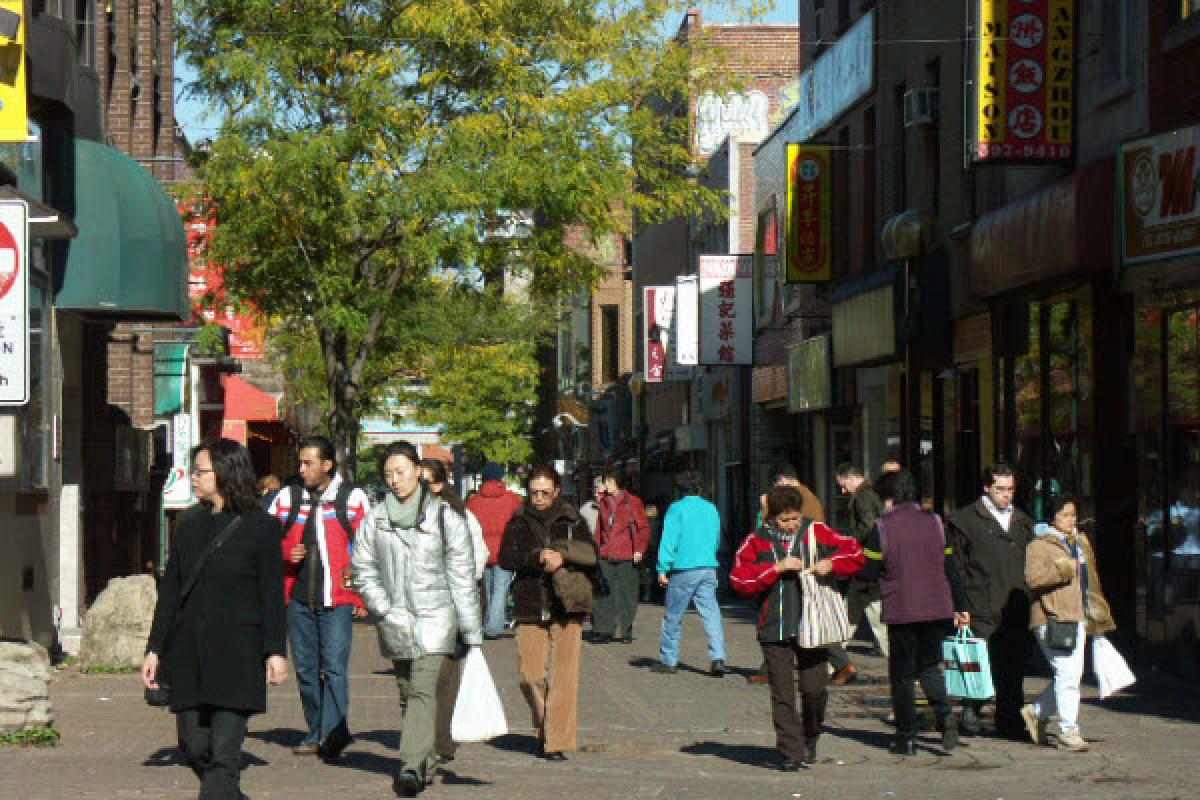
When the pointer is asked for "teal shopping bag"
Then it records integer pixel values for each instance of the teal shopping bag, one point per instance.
(968, 671)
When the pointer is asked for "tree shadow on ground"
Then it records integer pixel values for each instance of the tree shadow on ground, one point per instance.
(752, 755)
(515, 743)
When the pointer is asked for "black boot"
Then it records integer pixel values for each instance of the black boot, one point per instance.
(904, 746)
(970, 719)
(949, 727)
(810, 751)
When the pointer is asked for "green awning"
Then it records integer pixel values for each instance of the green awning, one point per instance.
(130, 257)
(170, 378)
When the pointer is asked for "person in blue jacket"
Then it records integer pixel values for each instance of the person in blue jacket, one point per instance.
(687, 569)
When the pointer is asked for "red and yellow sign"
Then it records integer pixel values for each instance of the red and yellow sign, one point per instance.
(1025, 84)
(809, 189)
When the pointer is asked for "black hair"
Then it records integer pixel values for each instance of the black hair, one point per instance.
(398, 448)
(324, 448)
(899, 487)
(548, 472)
(848, 470)
(781, 472)
(439, 474)
(234, 473)
(1058, 502)
(615, 474)
(781, 499)
(997, 470)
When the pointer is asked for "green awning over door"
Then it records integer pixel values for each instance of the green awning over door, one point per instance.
(170, 378)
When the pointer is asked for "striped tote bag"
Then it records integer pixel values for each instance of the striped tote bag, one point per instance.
(823, 619)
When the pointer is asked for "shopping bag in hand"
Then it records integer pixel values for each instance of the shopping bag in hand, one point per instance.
(1112, 673)
(478, 714)
(968, 671)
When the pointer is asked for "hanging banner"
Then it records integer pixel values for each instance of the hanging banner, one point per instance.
(14, 114)
(1158, 180)
(658, 335)
(14, 303)
(687, 321)
(809, 210)
(727, 309)
(1025, 81)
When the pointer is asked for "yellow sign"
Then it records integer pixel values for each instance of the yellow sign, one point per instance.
(14, 122)
(809, 244)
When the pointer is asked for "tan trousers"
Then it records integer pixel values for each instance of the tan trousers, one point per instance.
(549, 657)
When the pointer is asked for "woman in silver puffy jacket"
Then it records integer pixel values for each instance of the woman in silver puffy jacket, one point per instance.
(415, 569)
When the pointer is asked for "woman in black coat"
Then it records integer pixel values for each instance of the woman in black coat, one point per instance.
(224, 641)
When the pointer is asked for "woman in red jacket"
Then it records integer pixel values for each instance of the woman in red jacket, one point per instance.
(767, 566)
(624, 536)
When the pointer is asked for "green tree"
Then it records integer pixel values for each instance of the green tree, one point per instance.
(365, 146)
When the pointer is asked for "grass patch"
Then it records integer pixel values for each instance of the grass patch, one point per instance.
(101, 669)
(31, 737)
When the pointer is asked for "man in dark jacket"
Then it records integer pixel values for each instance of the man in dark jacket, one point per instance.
(922, 592)
(990, 536)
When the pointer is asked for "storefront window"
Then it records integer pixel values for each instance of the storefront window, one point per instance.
(33, 420)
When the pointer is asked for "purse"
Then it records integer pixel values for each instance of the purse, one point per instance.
(1061, 636)
(161, 697)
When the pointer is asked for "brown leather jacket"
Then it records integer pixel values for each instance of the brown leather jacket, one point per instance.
(1054, 581)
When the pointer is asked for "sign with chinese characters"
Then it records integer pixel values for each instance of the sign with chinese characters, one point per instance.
(687, 321)
(1025, 81)
(658, 319)
(14, 303)
(808, 375)
(809, 208)
(727, 309)
(717, 118)
(1159, 180)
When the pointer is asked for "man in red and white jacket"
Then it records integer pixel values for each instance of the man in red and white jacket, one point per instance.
(321, 606)
(767, 566)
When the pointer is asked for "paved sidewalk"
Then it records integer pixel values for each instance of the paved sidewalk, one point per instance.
(645, 736)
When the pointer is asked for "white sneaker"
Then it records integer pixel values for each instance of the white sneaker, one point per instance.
(1071, 741)
(1035, 726)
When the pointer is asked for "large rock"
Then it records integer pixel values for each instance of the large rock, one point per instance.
(117, 625)
(24, 687)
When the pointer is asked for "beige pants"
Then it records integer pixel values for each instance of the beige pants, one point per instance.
(549, 655)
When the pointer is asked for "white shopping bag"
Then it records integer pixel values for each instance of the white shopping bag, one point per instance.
(1112, 673)
(478, 714)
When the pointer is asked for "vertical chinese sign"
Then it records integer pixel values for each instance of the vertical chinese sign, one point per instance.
(658, 315)
(809, 242)
(727, 310)
(1025, 81)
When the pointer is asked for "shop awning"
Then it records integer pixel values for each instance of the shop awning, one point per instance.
(170, 378)
(437, 451)
(130, 257)
(245, 401)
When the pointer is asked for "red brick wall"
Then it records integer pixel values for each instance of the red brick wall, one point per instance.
(1174, 65)
(131, 374)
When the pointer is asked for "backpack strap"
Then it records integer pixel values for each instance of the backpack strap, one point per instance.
(213, 546)
(341, 505)
(295, 498)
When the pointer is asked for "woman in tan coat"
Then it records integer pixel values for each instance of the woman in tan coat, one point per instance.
(1060, 568)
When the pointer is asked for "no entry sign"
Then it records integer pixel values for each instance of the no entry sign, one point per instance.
(14, 303)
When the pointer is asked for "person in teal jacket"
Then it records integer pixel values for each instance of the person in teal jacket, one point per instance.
(687, 568)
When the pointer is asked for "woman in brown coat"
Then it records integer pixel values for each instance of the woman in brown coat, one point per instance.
(1060, 568)
(548, 546)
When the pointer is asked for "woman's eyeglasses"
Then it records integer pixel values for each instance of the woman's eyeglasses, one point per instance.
(541, 492)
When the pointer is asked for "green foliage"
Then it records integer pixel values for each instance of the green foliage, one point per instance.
(366, 147)
(211, 340)
(31, 737)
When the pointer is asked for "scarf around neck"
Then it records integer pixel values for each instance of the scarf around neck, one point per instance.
(403, 513)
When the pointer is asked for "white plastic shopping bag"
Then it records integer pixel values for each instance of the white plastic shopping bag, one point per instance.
(1112, 673)
(478, 714)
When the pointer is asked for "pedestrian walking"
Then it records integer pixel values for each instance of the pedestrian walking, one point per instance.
(414, 566)
(687, 569)
(862, 597)
(923, 600)
(321, 520)
(590, 511)
(786, 475)
(989, 536)
(624, 537)
(548, 547)
(436, 477)
(494, 505)
(219, 624)
(767, 566)
(1068, 607)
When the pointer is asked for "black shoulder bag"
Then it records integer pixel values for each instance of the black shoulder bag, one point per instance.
(161, 696)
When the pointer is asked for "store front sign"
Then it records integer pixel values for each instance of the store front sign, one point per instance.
(1025, 83)
(864, 327)
(1158, 181)
(658, 316)
(809, 213)
(14, 303)
(842, 76)
(687, 321)
(727, 310)
(808, 376)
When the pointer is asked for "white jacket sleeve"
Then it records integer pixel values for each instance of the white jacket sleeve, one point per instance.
(479, 545)
(366, 569)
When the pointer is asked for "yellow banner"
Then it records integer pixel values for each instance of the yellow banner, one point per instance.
(14, 122)
(809, 227)
(993, 71)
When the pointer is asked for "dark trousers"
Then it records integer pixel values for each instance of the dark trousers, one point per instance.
(1008, 651)
(789, 666)
(613, 615)
(915, 654)
(211, 741)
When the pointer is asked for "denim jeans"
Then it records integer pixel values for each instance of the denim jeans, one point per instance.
(1061, 697)
(496, 581)
(320, 643)
(690, 586)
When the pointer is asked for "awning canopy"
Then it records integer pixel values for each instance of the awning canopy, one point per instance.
(130, 257)
(245, 401)
(170, 378)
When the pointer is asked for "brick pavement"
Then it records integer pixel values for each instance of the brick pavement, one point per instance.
(644, 735)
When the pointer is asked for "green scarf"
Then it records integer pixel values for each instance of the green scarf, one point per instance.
(403, 513)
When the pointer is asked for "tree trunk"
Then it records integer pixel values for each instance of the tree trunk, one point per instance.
(343, 429)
